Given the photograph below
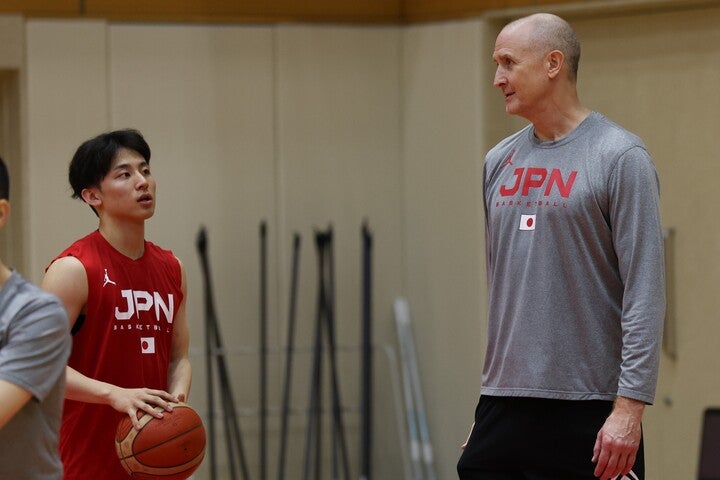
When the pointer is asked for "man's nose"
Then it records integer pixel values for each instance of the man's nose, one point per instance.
(142, 181)
(500, 78)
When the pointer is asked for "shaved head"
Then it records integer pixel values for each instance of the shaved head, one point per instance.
(548, 32)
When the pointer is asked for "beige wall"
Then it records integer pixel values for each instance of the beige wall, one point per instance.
(444, 252)
(67, 100)
(306, 126)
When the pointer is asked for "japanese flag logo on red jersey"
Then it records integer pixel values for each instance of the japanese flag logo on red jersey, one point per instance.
(527, 222)
(147, 345)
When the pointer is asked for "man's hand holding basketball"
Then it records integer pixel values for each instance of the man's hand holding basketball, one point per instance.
(130, 400)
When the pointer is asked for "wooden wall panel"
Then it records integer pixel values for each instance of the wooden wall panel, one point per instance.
(307, 11)
(430, 10)
(62, 8)
(252, 11)
(276, 11)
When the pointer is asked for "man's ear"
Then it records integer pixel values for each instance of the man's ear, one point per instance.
(555, 61)
(91, 197)
(4, 212)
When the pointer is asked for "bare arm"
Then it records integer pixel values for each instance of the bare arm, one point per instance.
(67, 279)
(618, 440)
(180, 371)
(12, 399)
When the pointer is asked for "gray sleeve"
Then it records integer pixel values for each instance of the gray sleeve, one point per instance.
(37, 346)
(638, 240)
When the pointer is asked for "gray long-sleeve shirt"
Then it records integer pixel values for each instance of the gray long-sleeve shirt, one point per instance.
(34, 348)
(575, 266)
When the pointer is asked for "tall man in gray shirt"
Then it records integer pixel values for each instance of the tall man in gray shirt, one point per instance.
(575, 269)
(34, 348)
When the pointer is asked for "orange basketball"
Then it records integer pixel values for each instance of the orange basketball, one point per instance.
(168, 448)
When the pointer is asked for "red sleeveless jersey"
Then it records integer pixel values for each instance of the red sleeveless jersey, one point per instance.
(125, 339)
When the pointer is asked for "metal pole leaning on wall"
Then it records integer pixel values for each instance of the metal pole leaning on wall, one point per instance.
(338, 429)
(263, 350)
(312, 429)
(366, 365)
(289, 352)
(325, 332)
(201, 244)
(215, 352)
(420, 446)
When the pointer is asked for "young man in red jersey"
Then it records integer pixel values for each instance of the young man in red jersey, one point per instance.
(125, 298)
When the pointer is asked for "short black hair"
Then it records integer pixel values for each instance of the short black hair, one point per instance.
(4, 181)
(93, 158)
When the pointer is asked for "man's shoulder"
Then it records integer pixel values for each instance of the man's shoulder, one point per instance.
(90, 238)
(514, 137)
(614, 133)
(155, 251)
(503, 148)
(26, 296)
(79, 246)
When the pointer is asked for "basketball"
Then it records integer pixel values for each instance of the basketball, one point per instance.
(168, 448)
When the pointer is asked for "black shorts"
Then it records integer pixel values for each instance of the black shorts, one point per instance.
(517, 438)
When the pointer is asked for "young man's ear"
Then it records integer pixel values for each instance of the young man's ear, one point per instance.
(4, 212)
(91, 197)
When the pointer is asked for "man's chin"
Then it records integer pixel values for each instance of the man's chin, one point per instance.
(511, 110)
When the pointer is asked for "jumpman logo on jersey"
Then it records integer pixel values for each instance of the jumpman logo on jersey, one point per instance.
(508, 160)
(107, 279)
